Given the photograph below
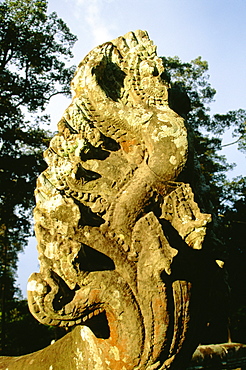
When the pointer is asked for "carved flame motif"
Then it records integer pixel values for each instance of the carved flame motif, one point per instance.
(110, 219)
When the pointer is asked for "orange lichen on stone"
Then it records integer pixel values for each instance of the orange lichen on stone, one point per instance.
(116, 232)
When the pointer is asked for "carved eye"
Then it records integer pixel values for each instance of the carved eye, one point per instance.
(110, 78)
(155, 72)
(147, 69)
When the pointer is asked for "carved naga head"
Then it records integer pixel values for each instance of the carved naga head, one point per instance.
(110, 219)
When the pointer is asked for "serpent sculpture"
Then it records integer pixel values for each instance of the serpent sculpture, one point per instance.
(119, 238)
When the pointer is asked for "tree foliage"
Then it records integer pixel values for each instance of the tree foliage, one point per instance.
(34, 48)
(224, 198)
(234, 236)
(25, 334)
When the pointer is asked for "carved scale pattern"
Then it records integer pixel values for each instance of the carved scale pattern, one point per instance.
(104, 250)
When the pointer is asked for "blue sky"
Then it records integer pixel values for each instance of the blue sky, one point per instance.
(212, 29)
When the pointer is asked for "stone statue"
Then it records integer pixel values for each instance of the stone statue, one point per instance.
(119, 238)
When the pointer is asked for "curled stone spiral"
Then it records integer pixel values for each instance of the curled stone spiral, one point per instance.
(118, 235)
